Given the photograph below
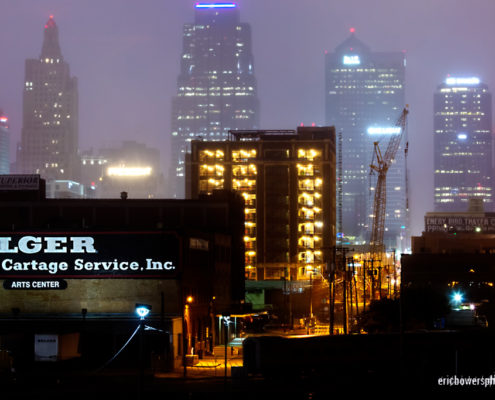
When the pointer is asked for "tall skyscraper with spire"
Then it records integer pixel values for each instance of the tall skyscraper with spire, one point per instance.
(462, 144)
(216, 88)
(49, 140)
(364, 99)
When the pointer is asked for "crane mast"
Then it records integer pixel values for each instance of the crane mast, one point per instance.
(381, 167)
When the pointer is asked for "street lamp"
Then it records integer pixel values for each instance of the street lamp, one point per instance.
(186, 322)
(457, 298)
(142, 310)
(226, 322)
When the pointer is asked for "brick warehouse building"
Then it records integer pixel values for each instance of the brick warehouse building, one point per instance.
(73, 271)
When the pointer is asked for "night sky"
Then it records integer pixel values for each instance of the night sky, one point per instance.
(126, 54)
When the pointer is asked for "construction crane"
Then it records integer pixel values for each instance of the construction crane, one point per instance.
(381, 167)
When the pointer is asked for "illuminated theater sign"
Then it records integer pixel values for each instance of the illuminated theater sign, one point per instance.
(89, 255)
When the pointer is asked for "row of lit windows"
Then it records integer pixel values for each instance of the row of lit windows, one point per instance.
(452, 171)
(243, 155)
(456, 189)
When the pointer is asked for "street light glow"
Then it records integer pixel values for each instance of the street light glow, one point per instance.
(457, 297)
(143, 310)
(129, 171)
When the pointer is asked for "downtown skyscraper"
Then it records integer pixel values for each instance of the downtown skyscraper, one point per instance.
(462, 144)
(49, 140)
(364, 96)
(216, 88)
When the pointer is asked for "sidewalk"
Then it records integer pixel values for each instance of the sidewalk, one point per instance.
(208, 367)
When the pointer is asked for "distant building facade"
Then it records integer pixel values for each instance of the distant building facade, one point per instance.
(49, 141)
(364, 98)
(216, 88)
(4, 144)
(287, 179)
(455, 257)
(133, 168)
(64, 189)
(463, 144)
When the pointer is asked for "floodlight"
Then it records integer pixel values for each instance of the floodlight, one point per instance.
(143, 310)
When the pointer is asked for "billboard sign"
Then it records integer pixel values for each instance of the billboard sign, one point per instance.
(455, 223)
(19, 182)
(89, 255)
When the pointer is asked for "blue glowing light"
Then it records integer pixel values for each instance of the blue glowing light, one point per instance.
(457, 297)
(351, 60)
(143, 310)
(215, 5)
(472, 80)
(462, 136)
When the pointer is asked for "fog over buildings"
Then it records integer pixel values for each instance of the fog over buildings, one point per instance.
(126, 56)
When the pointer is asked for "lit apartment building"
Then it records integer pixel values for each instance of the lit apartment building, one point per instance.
(287, 179)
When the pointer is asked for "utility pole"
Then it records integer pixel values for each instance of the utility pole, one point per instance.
(351, 311)
(395, 277)
(226, 321)
(355, 287)
(372, 296)
(331, 292)
(344, 292)
(310, 298)
(141, 361)
(380, 281)
(364, 286)
(291, 319)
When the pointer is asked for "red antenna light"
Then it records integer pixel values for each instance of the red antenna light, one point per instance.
(51, 16)
(352, 30)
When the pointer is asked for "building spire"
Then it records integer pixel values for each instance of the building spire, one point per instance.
(51, 46)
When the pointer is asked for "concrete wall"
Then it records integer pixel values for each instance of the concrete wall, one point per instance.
(96, 295)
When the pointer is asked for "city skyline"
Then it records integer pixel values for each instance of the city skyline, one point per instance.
(282, 79)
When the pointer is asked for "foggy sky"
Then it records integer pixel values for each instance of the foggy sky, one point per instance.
(125, 54)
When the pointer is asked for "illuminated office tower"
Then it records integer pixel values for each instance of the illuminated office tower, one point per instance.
(364, 98)
(287, 180)
(463, 144)
(49, 138)
(216, 88)
(4, 144)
